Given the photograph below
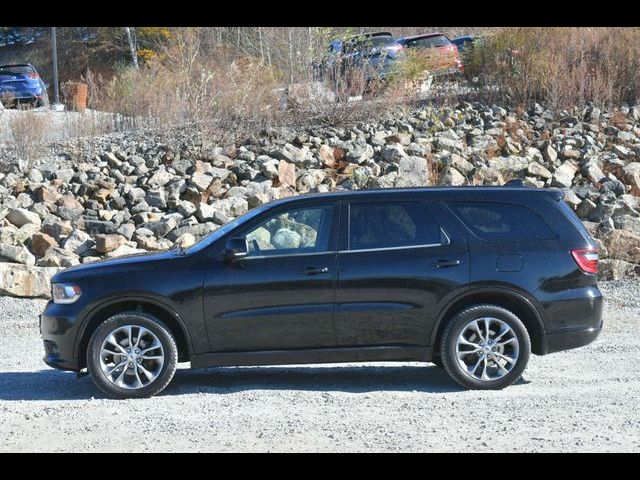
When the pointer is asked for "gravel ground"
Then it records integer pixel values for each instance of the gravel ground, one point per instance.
(580, 400)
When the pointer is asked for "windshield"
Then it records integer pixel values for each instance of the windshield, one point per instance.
(226, 228)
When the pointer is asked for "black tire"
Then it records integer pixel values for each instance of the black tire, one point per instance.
(43, 102)
(437, 361)
(455, 327)
(157, 327)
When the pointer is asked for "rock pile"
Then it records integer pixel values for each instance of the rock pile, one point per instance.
(126, 193)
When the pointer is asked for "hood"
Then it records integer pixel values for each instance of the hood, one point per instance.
(94, 268)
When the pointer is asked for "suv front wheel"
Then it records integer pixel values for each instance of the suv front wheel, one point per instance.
(485, 347)
(132, 355)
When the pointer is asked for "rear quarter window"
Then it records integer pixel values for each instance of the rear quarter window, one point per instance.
(502, 221)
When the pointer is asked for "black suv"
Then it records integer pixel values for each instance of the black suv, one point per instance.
(473, 279)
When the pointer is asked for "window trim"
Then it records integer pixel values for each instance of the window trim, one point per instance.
(382, 249)
(281, 255)
(447, 239)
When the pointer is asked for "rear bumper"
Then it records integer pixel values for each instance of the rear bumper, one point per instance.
(572, 318)
(557, 342)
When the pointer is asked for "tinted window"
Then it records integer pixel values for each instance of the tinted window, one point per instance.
(16, 70)
(366, 43)
(502, 221)
(296, 231)
(393, 224)
(429, 42)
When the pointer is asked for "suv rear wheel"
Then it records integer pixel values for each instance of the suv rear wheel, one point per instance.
(485, 347)
(132, 355)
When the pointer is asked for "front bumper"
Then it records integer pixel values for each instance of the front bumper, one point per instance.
(59, 329)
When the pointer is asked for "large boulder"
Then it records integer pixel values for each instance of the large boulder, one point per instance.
(623, 245)
(511, 164)
(632, 176)
(614, 269)
(11, 235)
(285, 238)
(23, 281)
(41, 242)
(564, 174)
(78, 242)
(20, 217)
(108, 243)
(58, 257)
(287, 173)
(412, 172)
(18, 254)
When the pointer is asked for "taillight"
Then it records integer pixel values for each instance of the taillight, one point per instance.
(34, 75)
(587, 259)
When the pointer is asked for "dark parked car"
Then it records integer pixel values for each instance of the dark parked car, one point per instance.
(463, 42)
(446, 56)
(470, 278)
(21, 83)
(371, 54)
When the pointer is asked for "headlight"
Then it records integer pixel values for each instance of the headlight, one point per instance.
(65, 292)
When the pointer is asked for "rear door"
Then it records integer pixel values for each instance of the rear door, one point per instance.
(397, 266)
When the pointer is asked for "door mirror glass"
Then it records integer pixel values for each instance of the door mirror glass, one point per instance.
(236, 248)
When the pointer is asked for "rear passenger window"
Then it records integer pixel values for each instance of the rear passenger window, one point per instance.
(392, 224)
(502, 221)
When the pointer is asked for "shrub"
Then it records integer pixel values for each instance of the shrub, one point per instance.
(563, 67)
(215, 97)
(29, 131)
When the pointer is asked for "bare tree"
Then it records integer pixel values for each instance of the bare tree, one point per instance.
(131, 37)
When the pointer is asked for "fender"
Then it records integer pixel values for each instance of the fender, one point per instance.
(136, 297)
(491, 288)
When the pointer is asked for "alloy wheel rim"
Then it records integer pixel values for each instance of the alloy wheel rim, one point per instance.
(487, 349)
(131, 357)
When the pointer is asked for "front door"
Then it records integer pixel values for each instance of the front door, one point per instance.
(396, 267)
(281, 295)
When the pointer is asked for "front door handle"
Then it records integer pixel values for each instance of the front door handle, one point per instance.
(446, 263)
(315, 270)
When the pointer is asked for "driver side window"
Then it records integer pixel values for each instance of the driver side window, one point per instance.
(303, 230)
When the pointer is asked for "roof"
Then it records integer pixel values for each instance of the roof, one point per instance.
(338, 41)
(463, 191)
(16, 65)
(423, 35)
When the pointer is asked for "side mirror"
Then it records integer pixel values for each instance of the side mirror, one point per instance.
(236, 248)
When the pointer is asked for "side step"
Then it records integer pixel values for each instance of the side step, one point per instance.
(313, 355)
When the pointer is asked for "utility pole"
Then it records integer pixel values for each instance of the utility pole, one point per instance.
(54, 48)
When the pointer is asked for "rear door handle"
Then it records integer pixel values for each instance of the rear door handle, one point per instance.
(446, 263)
(315, 270)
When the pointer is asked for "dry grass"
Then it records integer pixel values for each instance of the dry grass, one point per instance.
(560, 66)
(29, 131)
(225, 97)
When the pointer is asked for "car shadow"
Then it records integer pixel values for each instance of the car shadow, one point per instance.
(46, 385)
(350, 379)
(58, 385)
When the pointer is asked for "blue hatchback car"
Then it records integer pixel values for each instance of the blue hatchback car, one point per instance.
(21, 83)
